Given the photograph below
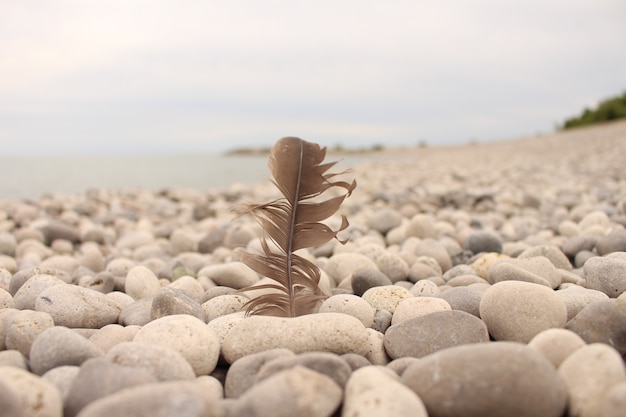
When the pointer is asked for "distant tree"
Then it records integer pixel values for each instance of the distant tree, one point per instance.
(609, 109)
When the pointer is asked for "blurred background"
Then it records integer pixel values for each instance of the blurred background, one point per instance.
(203, 77)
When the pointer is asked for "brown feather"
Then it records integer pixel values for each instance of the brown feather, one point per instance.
(292, 223)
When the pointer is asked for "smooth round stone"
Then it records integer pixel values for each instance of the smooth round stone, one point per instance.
(517, 310)
(119, 267)
(588, 374)
(98, 378)
(62, 262)
(24, 328)
(25, 297)
(141, 282)
(615, 241)
(183, 241)
(8, 243)
(509, 375)
(113, 334)
(355, 361)
(62, 378)
(190, 286)
(60, 346)
(556, 344)
(425, 288)
(578, 243)
(602, 322)
(171, 398)
(463, 298)
(328, 332)
(383, 220)
(466, 280)
(387, 297)
(349, 304)
(325, 363)
(550, 252)
(483, 241)
(138, 313)
(223, 305)
(399, 365)
(224, 324)
(344, 265)
(417, 307)
(170, 301)
(614, 402)
(160, 361)
(20, 277)
(8, 263)
(35, 396)
(606, 274)
(366, 278)
(103, 282)
(13, 358)
(576, 298)
(77, 307)
(242, 373)
(421, 271)
(582, 257)
(390, 264)
(92, 258)
(538, 270)
(188, 335)
(458, 270)
(375, 391)
(434, 249)
(376, 353)
(484, 263)
(382, 320)
(421, 226)
(426, 334)
(57, 230)
(298, 391)
(234, 275)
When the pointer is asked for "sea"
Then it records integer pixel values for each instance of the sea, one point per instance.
(31, 177)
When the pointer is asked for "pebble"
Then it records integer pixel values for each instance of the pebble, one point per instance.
(576, 298)
(62, 378)
(188, 335)
(365, 278)
(99, 377)
(162, 362)
(103, 282)
(390, 264)
(538, 270)
(141, 282)
(421, 271)
(556, 344)
(375, 391)
(387, 297)
(13, 358)
(483, 241)
(325, 363)
(606, 274)
(517, 310)
(421, 226)
(463, 298)
(434, 249)
(77, 307)
(588, 374)
(384, 220)
(33, 395)
(614, 402)
(234, 275)
(60, 346)
(222, 305)
(578, 243)
(344, 265)
(242, 372)
(602, 322)
(484, 263)
(170, 301)
(382, 320)
(426, 334)
(425, 288)
(615, 241)
(551, 252)
(25, 297)
(329, 332)
(299, 391)
(190, 286)
(20, 277)
(509, 374)
(349, 304)
(137, 313)
(24, 327)
(410, 308)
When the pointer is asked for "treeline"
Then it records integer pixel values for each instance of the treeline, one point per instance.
(609, 109)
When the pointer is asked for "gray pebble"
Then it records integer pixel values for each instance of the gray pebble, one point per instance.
(483, 241)
(169, 301)
(615, 241)
(606, 274)
(602, 322)
(161, 362)
(366, 278)
(24, 275)
(103, 282)
(382, 320)
(463, 298)
(242, 373)
(137, 313)
(325, 363)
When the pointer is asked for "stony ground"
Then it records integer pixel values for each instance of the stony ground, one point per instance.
(479, 280)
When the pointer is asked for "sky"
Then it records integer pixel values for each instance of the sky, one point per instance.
(190, 76)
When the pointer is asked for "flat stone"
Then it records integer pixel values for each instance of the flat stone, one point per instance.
(366, 278)
(483, 241)
(35, 396)
(602, 322)
(162, 362)
(233, 274)
(328, 332)
(349, 304)
(509, 374)
(426, 334)
(551, 252)
(463, 298)
(60, 346)
(74, 306)
(299, 391)
(606, 274)
(97, 378)
(170, 301)
(375, 391)
(242, 373)
(538, 270)
(518, 310)
(589, 373)
(188, 335)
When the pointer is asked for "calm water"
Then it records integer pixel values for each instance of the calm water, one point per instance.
(31, 177)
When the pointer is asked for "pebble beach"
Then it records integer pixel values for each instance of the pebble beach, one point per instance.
(479, 280)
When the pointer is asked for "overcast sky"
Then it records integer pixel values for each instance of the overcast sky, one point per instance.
(128, 76)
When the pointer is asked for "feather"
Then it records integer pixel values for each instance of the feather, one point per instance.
(292, 223)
